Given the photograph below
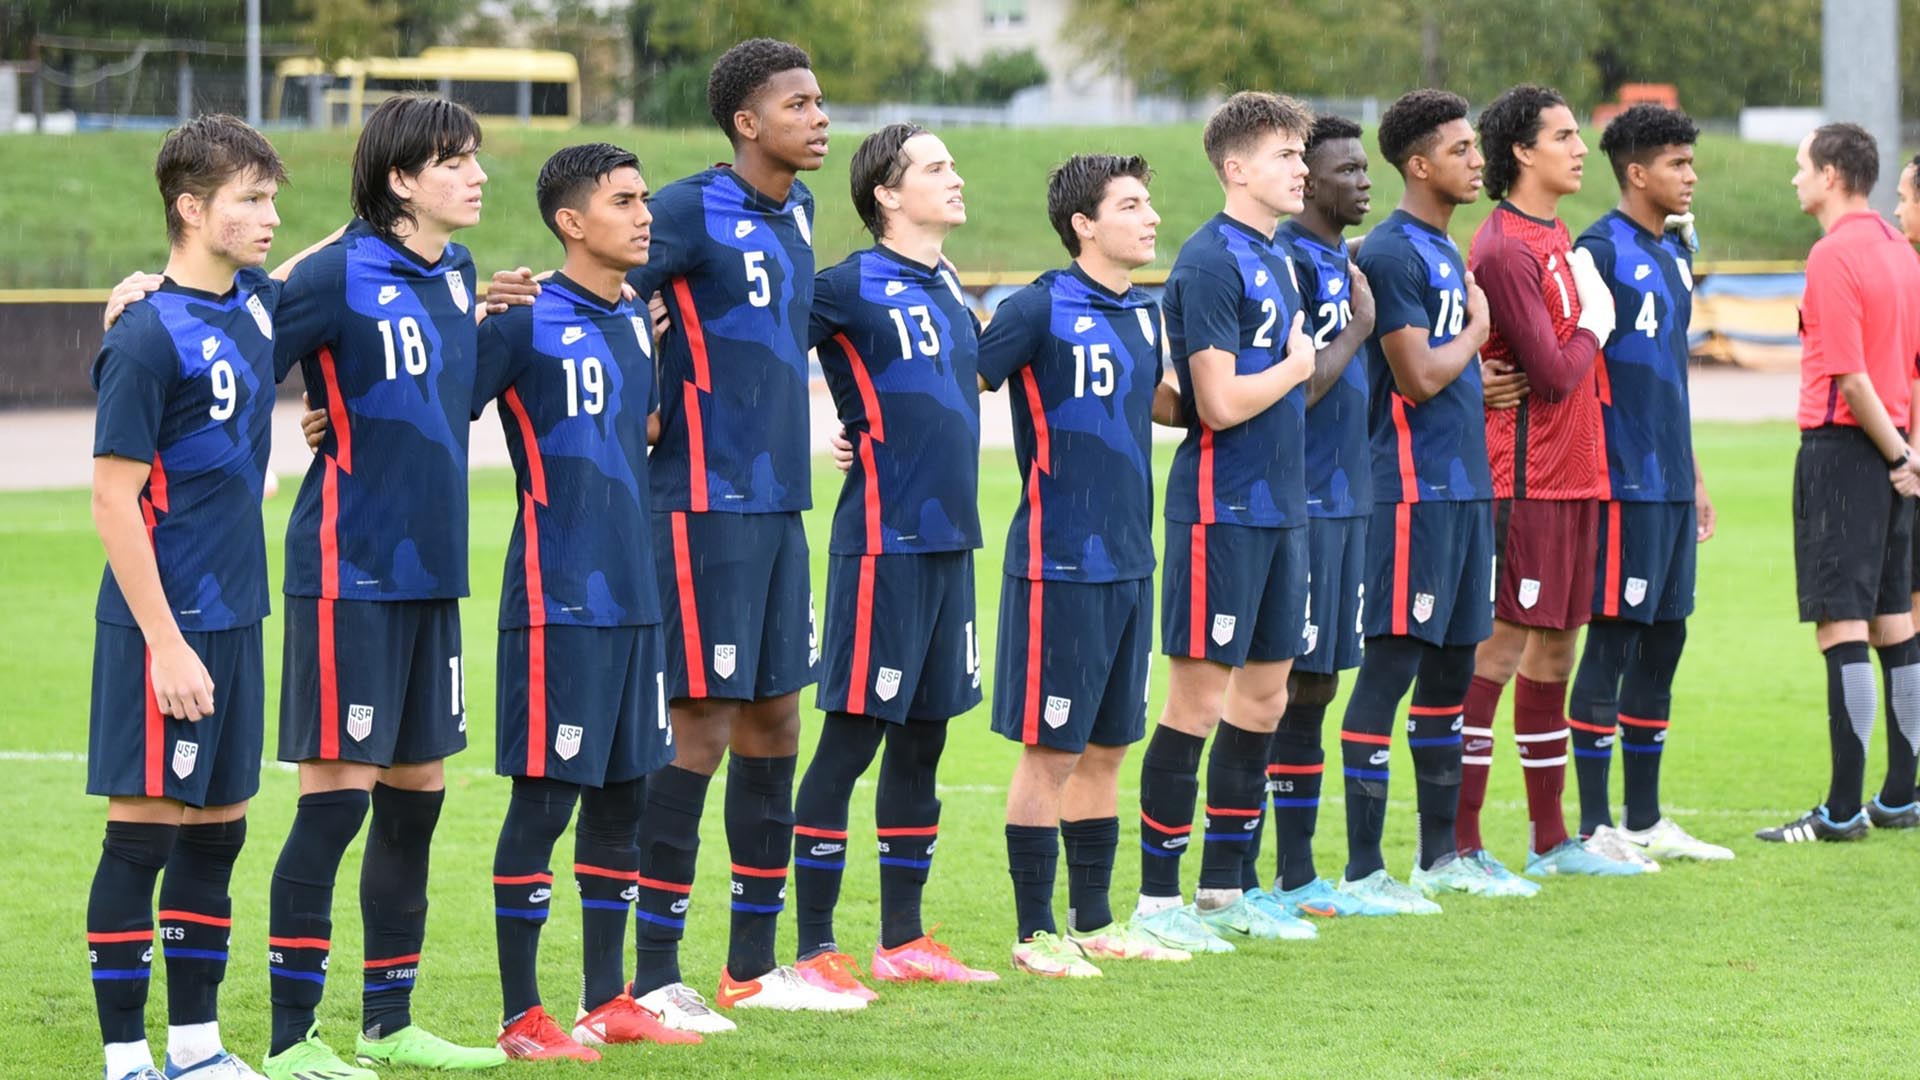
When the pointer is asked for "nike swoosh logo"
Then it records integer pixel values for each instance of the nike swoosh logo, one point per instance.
(1326, 911)
(735, 993)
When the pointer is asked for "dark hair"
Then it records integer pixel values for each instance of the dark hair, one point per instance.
(1328, 129)
(1246, 116)
(1636, 136)
(1851, 151)
(407, 132)
(1915, 164)
(202, 155)
(740, 73)
(1510, 120)
(880, 161)
(1408, 126)
(570, 175)
(1077, 185)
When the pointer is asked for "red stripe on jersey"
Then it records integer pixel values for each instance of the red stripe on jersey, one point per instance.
(917, 830)
(1402, 556)
(171, 915)
(1042, 440)
(1403, 439)
(689, 610)
(330, 530)
(118, 937)
(1366, 737)
(1030, 725)
(337, 413)
(869, 397)
(1206, 475)
(1611, 605)
(157, 485)
(862, 638)
(1197, 585)
(536, 468)
(696, 451)
(156, 735)
(870, 493)
(696, 337)
(820, 834)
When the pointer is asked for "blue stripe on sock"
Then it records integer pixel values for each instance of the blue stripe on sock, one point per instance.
(660, 920)
(604, 905)
(1593, 752)
(304, 976)
(1444, 740)
(397, 984)
(108, 974)
(907, 864)
(758, 909)
(820, 864)
(196, 954)
(1640, 748)
(529, 914)
(1151, 850)
(1295, 804)
(1227, 837)
(1366, 774)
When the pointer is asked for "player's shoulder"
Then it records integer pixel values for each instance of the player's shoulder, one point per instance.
(683, 194)
(141, 327)
(847, 271)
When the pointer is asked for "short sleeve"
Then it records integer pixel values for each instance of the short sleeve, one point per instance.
(830, 303)
(1833, 310)
(498, 363)
(1013, 334)
(1602, 251)
(678, 234)
(134, 372)
(1399, 285)
(1210, 309)
(306, 317)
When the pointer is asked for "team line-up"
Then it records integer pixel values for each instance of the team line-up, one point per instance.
(1455, 463)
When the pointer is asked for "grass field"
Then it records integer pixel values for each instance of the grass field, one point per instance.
(1785, 963)
(83, 211)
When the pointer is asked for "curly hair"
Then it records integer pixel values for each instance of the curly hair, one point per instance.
(1410, 123)
(1078, 184)
(740, 73)
(1637, 135)
(1245, 117)
(1512, 119)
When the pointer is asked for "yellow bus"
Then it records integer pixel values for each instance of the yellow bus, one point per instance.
(532, 87)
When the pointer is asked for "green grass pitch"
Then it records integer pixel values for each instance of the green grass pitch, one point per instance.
(1789, 962)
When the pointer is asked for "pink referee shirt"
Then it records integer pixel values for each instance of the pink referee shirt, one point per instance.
(1861, 312)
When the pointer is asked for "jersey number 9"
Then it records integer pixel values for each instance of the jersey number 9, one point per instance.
(226, 391)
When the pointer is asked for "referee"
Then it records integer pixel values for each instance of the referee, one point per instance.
(1852, 515)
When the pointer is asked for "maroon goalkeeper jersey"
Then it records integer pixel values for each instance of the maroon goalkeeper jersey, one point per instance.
(1552, 446)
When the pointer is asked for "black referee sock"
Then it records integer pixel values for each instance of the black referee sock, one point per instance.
(605, 858)
(759, 841)
(537, 813)
(1033, 857)
(120, 925)
(1900, 671)
(393, 903)
(1169, 782)
(196, 918)
(1091, 845)
(300, 908)
(1236, 781)
(1851, 703)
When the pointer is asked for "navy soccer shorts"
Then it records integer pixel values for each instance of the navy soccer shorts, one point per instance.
(1430, 571)
(135, 750)
(900, 640)
(1072, 663)
(1234, 593)
(1646, 561)
(1336, 595)
(376, 682)
(582, 704)
(737, 604)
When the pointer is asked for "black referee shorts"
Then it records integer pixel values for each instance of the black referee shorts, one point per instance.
(1852, 533)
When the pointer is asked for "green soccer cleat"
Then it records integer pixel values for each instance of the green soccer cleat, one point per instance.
(414, 1045)
(1380, 890)
(1244, 918)
(1320, 899)
(311, 1059)
(1265, 901)
(1512, 883)
(1118, 941)
(1179, 928)
(1453, 874)
(1052, 957)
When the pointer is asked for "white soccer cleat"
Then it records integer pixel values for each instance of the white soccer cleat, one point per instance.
(681, 1007)
(784, 989)
(1665, 839)
(1612, 843)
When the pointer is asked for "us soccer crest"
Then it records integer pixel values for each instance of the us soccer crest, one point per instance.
(1223, 628)
(643, 333)
(1529, 592)
(887, 683)
(185, 754)
(566, 741)
(1686, 275)
(1312, 637)
(723, 660)
(806, 230)
(1635, 591)
(457, 285)
(359, 721)
(1422, 607)
(260, 318)
(1057, 710)
(1146, 324)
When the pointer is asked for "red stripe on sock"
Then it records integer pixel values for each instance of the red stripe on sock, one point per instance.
(760, 871)
(523, 879)
(299, 943)
(1165, 828)
(1295, 770)
(821, 834)
(1595, 729)
(1365, 737)
(1229, 811)
(917, 830)
(603, 872)
(663, 886)
(194, 917)
(120, 936)
(1433, 710)
(1640, 721)
(391, 961)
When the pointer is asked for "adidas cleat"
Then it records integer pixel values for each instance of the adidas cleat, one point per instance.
(1321, 900)
(1243, 918)
(835, 972)
(1454, 874)
(1883, 817)
(221, 1066)
(1508, 882)
(1118, 941)
(1572, 857)
(416, 1046)
(1612, 843)
(784, 989)
(1380, 890)
(1665, 839)
(1816, 825)
(622, 1020)
(681, 1008)
(925, 960)
(534, 1036)
(1180, 929)
(311, 1059)
(1052, 957)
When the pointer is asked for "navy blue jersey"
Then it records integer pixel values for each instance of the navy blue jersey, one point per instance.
(1643, 366)
(1438, 448)
(574, 379)
(1232, 289)
(186, 383)
(1084, 362)
(736, 269)
(900, 349)
(1339, 459)
(385, 342)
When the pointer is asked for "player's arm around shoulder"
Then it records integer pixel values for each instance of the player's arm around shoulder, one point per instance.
(1014, 335)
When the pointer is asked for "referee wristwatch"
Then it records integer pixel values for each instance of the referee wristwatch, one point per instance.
(1904, 460)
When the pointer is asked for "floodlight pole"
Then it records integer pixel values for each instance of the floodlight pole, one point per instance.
(253, 62)
(1860, 79)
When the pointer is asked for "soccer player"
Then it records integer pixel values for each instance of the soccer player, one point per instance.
(185, 380)
(1083, 349)
(1234, 590)
(1550, 313)
(1658, 510)
(900, 350)
(1339, 481)
(1429, 538)
(1852, 521)
(733, 255)
(382, 323)
(581, 707)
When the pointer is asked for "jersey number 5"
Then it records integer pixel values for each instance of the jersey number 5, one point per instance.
(759, 286)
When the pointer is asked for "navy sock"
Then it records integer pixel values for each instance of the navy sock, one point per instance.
(1033, 857)
(1900, 673)
(846, 747)
(1236, 779)
(1593, 706)
(1169, 782)
(393, 903)
(1091, 846)
(1386, 673)
(537, 813)
(759, 842)
(1646, 698)
(196, 918)
(906, 815)
(669, 848)
(300, 908)
(1295, 765)
(1435, 721)
(120, 925)
(605, 858)
(1851, 705)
